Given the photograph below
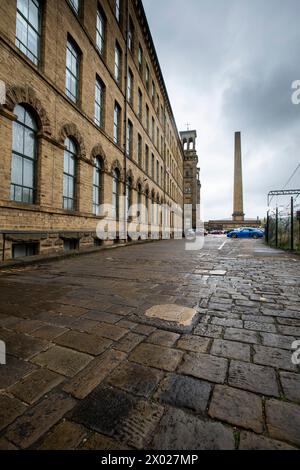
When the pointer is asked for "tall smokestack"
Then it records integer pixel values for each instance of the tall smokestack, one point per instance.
(238, 206)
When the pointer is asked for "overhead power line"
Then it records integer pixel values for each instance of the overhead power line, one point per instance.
(292, 176)
(288, 181)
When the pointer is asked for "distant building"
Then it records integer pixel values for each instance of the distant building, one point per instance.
(191, 175)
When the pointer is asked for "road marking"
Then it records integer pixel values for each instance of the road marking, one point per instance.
(220, 247)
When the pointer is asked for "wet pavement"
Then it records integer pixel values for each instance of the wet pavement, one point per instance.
(87, 368)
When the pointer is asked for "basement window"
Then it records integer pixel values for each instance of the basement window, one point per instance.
(71, 244)
(21, 250)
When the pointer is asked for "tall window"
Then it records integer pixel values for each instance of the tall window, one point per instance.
(147, 118)
(118, 63)
(153, 92)
(128, 195)
(28, 31)
(117, 124)
(97, 186)
(140, 59)
(75, 4)
(24, 156)
(101, 31)
(157, 138)
(140, 151)
(139, 202)
(147, 206)
(72, 72)
(116, 194)
(69, 190)
(153, 208)
(99, 102)
(130, 86)
(147, 77)
(131, 36)
(157, 171)
(152, 166)
(118, 10)
(140, 105)
(129, 138)
(153, 130)
(147, 159)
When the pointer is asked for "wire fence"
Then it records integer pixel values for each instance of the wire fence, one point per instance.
(283, 227)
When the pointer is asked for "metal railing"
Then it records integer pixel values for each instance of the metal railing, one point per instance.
(283, 226)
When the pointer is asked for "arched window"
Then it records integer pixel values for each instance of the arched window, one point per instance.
(97, 185)
(69, 191)
(24, 157)
(128, 195)
(116, 193)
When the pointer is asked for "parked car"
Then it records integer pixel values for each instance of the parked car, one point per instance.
(246, 232)
(217, 232)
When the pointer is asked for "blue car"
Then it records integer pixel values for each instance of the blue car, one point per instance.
(246, 232)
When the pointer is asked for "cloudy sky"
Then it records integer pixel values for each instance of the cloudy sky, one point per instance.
(229, 66)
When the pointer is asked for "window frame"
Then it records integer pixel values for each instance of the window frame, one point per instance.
(98, 170)
(33, 160)
(129, 138)
(117, 123)
(118, 63)
(101, 38)
(71, 176)
(27, 52)
(72, 45)
(100, 86)
(140, 150)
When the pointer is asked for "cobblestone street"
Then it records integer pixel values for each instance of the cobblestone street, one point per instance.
(87, 369)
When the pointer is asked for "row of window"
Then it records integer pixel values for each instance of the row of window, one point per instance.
(28, 39)
(24, 174)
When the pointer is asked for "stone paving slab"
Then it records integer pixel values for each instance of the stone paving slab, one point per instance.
(34, 423)
(65, 436)
(14, 371)
(184, 392)
(251, 441)
(135, 379)
(237, 407)
(291, 386)
(283, 421)
(84, 342)
(252, 377)
(181, 431)
(156, 356)
(92, 375)
(62, 360)
(204, 366)
(35, 385)
(231, 350)
(10, 409)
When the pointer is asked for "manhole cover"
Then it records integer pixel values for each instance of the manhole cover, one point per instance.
(172, 313)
